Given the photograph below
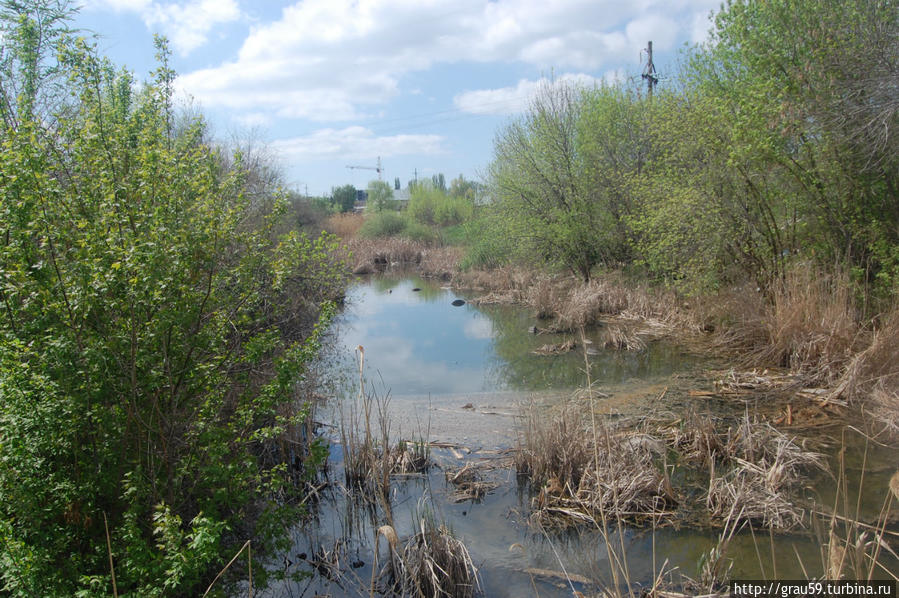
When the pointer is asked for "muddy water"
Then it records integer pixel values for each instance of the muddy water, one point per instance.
(460, 376)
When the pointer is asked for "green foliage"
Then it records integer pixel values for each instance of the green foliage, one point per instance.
(380, 197)
(430, 205)
(154, 326)
(775, 143)
(559, 176)
(382, 224)
(396, 224)
(415, 231)
(463, 189)
(344, 198)
(493, 241)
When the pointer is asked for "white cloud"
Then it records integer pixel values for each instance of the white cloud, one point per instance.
(254, 119)
(511, 100)
(327, 59)
(478, 328)
(187, 25)
(357, 143)
(701, 25)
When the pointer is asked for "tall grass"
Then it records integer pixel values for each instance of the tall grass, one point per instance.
(808, 324)
(345, 226)
(431, 563)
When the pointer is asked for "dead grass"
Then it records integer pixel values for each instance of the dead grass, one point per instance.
(622, 338)
(591, 474)
(544, 298)
(809, 325)
(369, 459)
(432, 563)
(872, 376)
(377, 255)
(556, 348)
(512, 280)
(754, 472)
(345, 225)
(469, 483)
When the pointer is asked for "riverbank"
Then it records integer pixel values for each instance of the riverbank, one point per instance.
(807, 331)
(590, 490)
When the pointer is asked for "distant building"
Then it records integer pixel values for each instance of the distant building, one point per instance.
(361, 199)
(402, 196)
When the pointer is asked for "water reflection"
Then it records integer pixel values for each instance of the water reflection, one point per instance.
(418, 344)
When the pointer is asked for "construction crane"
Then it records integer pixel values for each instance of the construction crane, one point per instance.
(378, 168)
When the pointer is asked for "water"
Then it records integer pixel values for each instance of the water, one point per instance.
(460, 375)
(420, 344)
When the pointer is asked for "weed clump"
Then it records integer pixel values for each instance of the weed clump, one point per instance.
(591, 473)
(754, 470)
(432, 563)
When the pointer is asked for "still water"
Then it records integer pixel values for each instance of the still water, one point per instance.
(461, 375)
(420, 344)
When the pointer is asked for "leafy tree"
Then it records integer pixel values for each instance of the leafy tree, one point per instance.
(439, 181)
(380, 196)
(460, 188)
(154, 329)
(344, 197)
(538, 180)
(817, 83)
(396, 183)
(430, 206)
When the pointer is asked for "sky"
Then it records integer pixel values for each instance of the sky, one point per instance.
(424, 85)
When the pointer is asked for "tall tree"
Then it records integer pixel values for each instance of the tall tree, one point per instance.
(344, 197)
(380, 196)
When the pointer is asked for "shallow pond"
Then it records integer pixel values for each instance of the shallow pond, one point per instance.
(460, 376)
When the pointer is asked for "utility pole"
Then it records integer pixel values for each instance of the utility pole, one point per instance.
(649, 71)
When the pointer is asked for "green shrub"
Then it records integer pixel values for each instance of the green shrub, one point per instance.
(382, 224)
(415, 231)
(153, 331)
(432, 206)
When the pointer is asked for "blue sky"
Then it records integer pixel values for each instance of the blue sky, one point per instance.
(424, 85)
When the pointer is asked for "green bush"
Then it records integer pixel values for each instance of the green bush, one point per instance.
(415, 231)
(433, 206)
(153, 331)
(382, 224)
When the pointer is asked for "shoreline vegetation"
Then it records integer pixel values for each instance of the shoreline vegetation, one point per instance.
(809, 336)
(749, 210)
(163, 302)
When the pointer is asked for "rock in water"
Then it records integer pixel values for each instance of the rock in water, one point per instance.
(458, 302)
(416, 289)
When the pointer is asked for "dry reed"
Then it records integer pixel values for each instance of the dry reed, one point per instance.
(807, 323)
(588, 473)
(761, 469)
(378, 255)
(344, 226)
(873, 374)
(468, 483)
(433, 563)
(369, 458)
